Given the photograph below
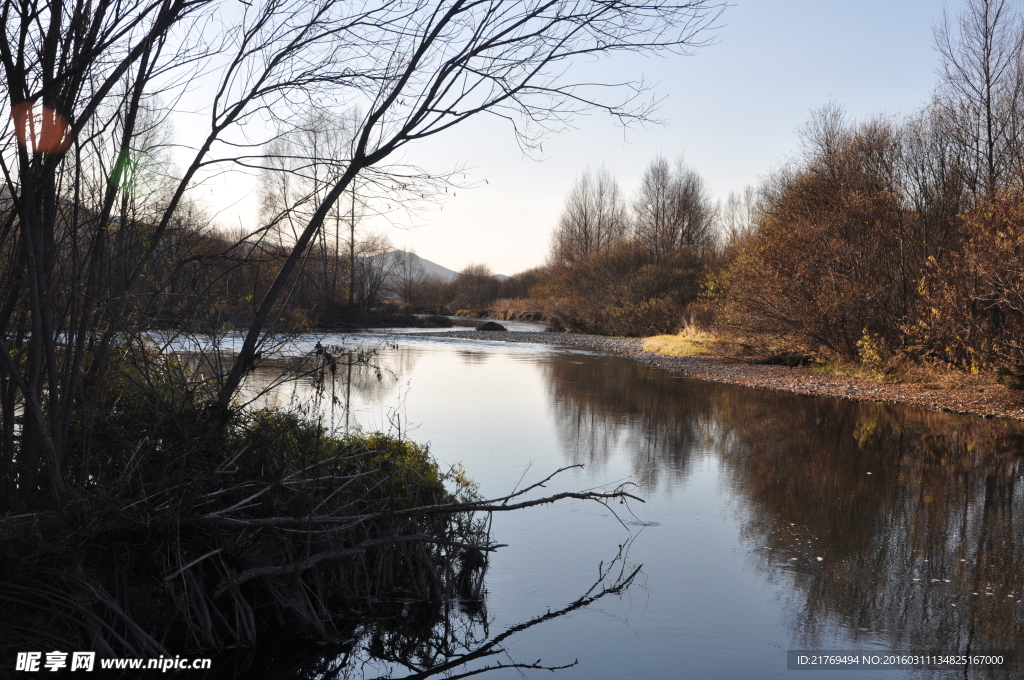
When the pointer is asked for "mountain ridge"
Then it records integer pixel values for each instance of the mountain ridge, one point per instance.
(431, 267)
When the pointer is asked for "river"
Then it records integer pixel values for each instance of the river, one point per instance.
(771, 521)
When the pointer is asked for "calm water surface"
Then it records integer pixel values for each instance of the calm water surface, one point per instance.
(771, 521)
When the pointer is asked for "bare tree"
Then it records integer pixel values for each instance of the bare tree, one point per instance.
(407, 276)
(62, 68)
(938, 178)
(983, 84)
(673, 210)
(375, 263)
(594, 217)
(302, 164)
(736, 218)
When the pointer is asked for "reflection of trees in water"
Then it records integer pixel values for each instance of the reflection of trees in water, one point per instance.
(605, 404)
(417, 640)
(941, 505)
(472, 358)
(943, 502)
(380, 379)
(332, 381)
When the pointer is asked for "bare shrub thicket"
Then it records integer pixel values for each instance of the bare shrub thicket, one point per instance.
(827, 260)
(630, 270)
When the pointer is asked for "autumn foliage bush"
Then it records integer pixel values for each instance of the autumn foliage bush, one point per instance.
(973, 298)
(842, 240)
(858, 253)
(623, 290)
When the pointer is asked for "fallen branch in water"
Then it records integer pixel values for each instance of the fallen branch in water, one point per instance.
(600, 589)
(499, 504)
(313, 560)
(352, 520)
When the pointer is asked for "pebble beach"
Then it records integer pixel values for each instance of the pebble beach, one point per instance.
(988, 401)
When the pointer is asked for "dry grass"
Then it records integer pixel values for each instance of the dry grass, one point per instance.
(904, 370)
(516, 309)
(850, 370)
(688, 343)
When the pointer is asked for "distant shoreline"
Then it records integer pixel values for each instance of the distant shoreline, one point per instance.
(988, 401)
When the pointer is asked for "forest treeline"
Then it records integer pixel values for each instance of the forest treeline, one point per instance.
(900, 237)
(615, 266)
(881, 240)
(630, 267)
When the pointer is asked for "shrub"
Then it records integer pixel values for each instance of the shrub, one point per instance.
(830, 258)
(624, 290)
(973, 311)
(176, 537)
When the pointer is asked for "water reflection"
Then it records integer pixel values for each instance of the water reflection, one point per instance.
(881, 526)
(603, 405)
(471, 358)
(324, 378)
(406, 639)
(418, 640)
(893, 524)
(913, 515)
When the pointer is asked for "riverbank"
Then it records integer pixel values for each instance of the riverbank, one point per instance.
(986, 400)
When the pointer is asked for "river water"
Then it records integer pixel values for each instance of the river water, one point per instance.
(771, 521)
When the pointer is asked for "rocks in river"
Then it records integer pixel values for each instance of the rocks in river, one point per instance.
(491, 326)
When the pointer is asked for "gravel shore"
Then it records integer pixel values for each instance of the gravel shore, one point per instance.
(989, 401)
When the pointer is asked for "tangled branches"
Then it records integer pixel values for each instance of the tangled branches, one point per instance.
(282, 526)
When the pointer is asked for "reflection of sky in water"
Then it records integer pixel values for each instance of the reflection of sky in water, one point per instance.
(745, 490)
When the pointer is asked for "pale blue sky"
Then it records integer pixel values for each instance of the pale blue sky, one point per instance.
(733, 110)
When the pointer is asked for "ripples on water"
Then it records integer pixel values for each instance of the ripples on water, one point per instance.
(772, 522)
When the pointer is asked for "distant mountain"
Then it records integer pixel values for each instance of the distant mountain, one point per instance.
(429, 267)
(443, 272)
